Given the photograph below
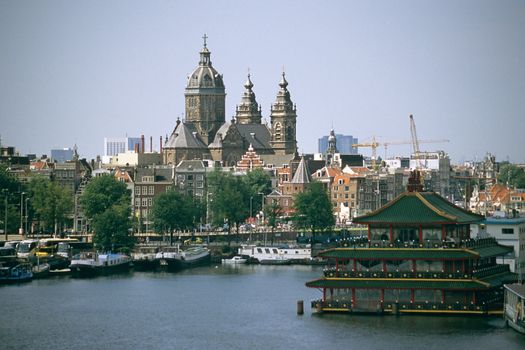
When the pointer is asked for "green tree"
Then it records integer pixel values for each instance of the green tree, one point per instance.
(272, 212)
(106, 203)
(102, 193)
(258, 184)
(512, 175)
(112, 229)
(230, 199)
(52, 204)
(173, 211)
(313, 209)
(10, 189)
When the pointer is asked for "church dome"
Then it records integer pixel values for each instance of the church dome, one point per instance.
(205, 76)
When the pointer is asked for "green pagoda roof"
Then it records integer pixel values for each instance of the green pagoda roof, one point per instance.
(402, 283)
(416, 253)
(419, 208)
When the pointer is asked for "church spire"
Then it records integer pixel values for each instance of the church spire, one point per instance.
(205, 53)
(248, 111)
(283, 119)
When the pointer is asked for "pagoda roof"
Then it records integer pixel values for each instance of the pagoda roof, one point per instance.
(419, 208)
(409, 283)
(416, 253)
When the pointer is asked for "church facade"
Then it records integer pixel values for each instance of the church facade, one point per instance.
(205, 133)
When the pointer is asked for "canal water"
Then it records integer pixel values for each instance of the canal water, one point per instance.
(218, 307)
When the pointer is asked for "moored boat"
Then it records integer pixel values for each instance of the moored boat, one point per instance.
(237, 259)
(93, 264)
(40, 270)
(16, 273)
(277, 255)
(176, 259)
(143, 258)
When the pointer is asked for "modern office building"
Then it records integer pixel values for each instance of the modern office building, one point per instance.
(344, 144)
(116, 145)
(61, 155)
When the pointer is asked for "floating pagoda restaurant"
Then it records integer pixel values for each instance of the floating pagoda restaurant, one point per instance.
(418, 258)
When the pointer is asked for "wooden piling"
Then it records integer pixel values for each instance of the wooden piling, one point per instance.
(300, 307)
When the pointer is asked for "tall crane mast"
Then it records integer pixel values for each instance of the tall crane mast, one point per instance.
(415, 142)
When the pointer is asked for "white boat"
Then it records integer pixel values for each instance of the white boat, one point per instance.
(40, 270)
(237, 259)
(175, 258)
(277, 255)
(514, 309)
(92, 264)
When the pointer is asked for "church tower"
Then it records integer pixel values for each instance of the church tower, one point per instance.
(249, 111)
(205, 98)
(283, 118)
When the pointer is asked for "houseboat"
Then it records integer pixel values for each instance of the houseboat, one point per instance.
(143, 258)
(93, 264)
(276, 255)
(176, 259)
(16, 273)
(515, 306)
(418, 257)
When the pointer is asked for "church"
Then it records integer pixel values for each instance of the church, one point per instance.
(205, 133)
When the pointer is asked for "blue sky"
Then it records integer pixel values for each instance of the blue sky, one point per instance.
(74, 72)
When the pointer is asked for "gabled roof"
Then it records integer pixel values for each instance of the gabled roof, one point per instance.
(183, 137)
(301, 175)
(419, 208)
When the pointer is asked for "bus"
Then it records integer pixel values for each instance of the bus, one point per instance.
(49, 246)
(70, 249)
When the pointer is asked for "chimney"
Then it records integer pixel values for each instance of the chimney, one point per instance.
(136, 148)
(151, 144)
(142, 144)
(160, 144)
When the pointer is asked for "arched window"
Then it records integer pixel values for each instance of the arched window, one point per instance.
(277, 132)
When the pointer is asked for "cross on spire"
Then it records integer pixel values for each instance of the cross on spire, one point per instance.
(205, 37)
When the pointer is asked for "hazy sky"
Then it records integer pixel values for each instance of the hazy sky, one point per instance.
(74, 72)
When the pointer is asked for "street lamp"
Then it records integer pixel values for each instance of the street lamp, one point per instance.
(5, 209)
(262, 207)
(26, 216)
(21, 230)
(251, 205)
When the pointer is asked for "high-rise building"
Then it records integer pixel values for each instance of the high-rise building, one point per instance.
(344, 144)
(116, 145)
(61, 155)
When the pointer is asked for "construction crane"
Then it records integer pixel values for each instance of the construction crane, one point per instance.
(374, 144)
(415, 141)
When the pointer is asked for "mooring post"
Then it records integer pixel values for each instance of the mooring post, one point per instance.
(300, 307)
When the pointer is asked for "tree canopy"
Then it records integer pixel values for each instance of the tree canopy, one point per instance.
(512, 175)
(313, 209)
(52, 204)
(101, 193)
(106, 203)
(229, 198)
(10, 189)
(174, 211)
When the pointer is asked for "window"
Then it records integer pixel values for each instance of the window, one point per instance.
(151, 190)
(200, 184)
(347, 188)
(144, 189)
(507, 231)
(137, 190)
(340, 182)
(168, 188)
(190, 177)
(199, 177)
(144, 202)
(150, 202)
